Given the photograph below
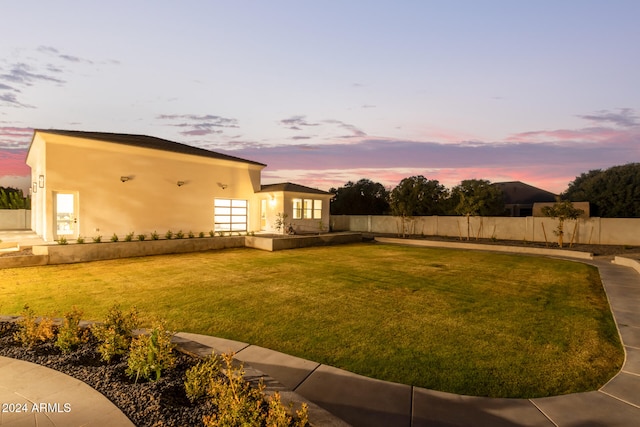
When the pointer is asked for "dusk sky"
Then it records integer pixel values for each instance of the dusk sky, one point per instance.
(330, 91)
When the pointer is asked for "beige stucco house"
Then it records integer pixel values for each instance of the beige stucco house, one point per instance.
(99, 184)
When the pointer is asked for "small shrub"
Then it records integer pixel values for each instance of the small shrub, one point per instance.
(201, 234)
(191, 235)
(154, 236)
(168, 235)
(199, 377)
(220, 233)
(97, 239)
(129, 237)
(141, 237)
(62, 240)
(114, 238)
(114, 335)
(239, 403)
(211, 233)
(31, 331)
(69, 334)
(150, 354)
(180, 235)
(80, 240)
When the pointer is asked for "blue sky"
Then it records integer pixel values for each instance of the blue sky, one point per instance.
(331, 91)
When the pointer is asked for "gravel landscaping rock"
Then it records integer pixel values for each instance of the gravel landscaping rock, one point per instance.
(161, 403)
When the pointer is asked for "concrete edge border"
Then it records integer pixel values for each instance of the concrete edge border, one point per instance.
(627, 262)
(489, 248)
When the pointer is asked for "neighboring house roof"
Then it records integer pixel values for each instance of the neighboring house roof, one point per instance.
(145, 141)
(288, 186)
(519, 193)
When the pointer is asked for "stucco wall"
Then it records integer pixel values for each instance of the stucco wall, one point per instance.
(605, 231)
(150, 200)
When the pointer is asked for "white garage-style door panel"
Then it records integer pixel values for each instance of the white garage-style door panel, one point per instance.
(230, 214)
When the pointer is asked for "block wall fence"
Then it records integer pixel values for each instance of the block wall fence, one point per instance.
(15, 219)
(597, 231)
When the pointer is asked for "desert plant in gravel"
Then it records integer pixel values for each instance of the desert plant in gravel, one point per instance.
(129, 237)
(114, 335)
(31, 330)
(198, 379)
(69, 334)
(240, 404)
(168, 235)
(141, 237)
(150, 354)
(114, 238)
(155, 235)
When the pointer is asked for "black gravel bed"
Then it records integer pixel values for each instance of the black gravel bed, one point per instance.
(161, 403)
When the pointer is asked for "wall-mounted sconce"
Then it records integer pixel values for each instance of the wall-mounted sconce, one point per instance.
(34, 187)
(272, 201)
(125, 178)
(41, 181)
(223, 186)
(181, 183)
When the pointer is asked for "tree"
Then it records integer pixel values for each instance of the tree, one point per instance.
(477, 197)
(416, 196)
(12, 198)
(612, 193)
(364, 197)
(562, 211)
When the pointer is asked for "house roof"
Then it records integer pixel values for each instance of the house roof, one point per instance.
(145, 141)
(288, 186)
(519, 193)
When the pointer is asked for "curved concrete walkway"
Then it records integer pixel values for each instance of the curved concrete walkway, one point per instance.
(34, 395)
(362, 401)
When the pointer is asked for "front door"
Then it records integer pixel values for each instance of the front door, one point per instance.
(66, 215)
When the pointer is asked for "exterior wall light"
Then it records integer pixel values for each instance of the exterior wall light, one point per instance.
(41, 181)
(125, 178)
(181, 183)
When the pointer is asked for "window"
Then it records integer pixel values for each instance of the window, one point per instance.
(297, 208)
(307, 209)
(230, 215)
(317, 209)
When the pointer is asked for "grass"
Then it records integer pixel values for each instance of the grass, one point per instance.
(464, 322)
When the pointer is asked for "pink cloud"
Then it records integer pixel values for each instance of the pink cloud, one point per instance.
(15, 137)
(12, 163)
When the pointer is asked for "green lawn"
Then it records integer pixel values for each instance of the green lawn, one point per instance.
(458, 321)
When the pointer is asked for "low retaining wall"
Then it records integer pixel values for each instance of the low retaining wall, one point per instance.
(72, 253)
(493, 248)
(292, 242)
(627, 262)
(66, 254)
